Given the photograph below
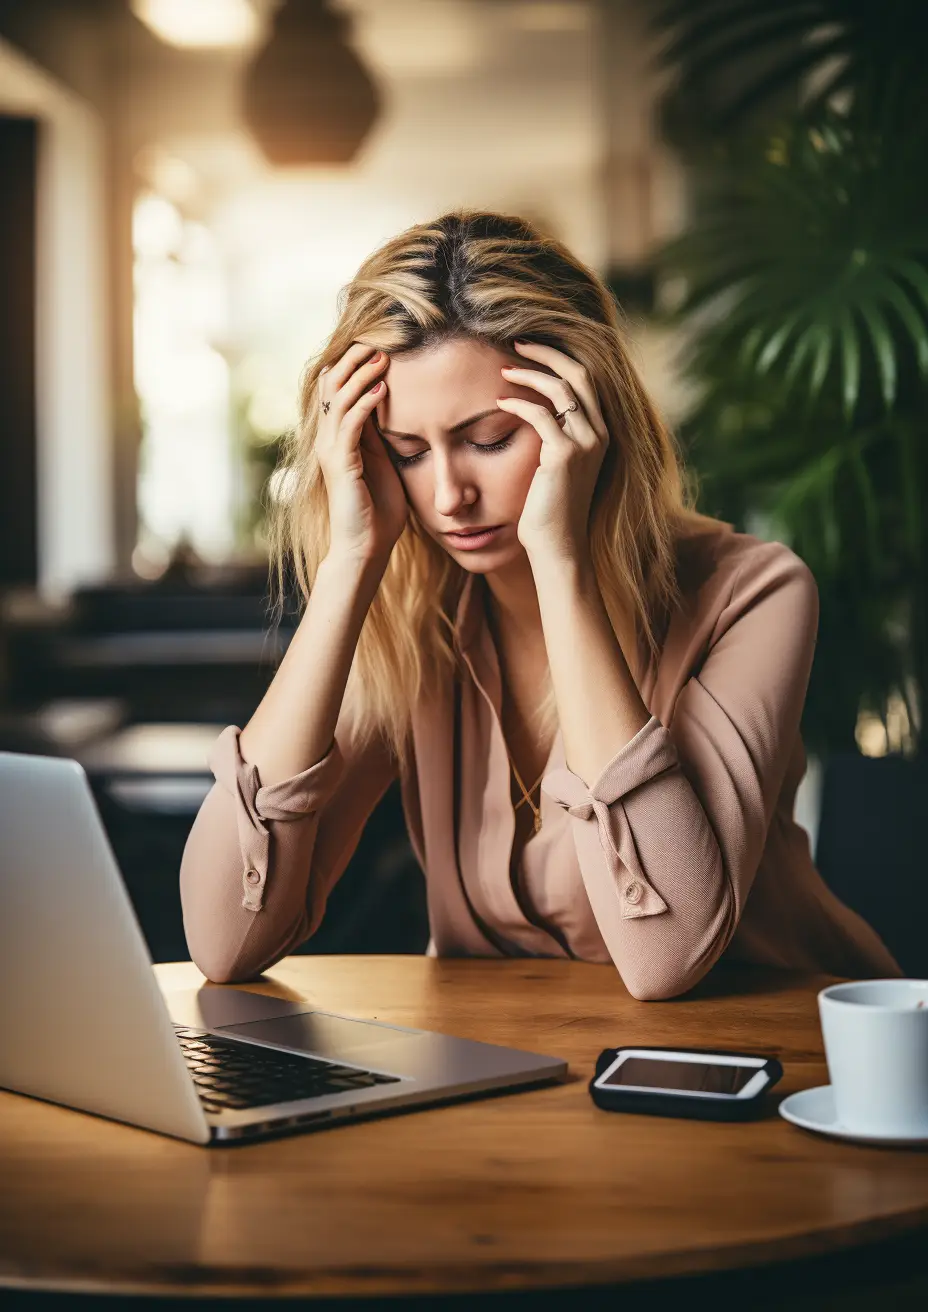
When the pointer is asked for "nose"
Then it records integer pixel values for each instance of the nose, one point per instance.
(452, 490)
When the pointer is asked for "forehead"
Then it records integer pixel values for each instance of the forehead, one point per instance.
(435, 389)
(442, 385)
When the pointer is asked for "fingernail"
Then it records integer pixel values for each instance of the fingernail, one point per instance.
(377, 356)
(324, 369)
(376, 387)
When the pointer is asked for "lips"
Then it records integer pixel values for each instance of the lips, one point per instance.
(474, 539)
(469, 532)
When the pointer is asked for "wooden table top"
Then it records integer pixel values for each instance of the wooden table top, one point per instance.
(532, 1189)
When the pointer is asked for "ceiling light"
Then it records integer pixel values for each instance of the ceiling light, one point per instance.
(199, 23)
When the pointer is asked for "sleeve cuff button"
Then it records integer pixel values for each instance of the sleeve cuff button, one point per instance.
(633, 892)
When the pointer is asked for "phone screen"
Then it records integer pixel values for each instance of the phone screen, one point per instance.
(664, 1073)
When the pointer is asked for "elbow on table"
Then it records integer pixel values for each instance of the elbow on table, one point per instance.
(659, 981)
(239, 962)
(657, 986)
(659, 977)
(223, 967)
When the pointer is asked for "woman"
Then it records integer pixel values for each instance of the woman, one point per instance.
(591, 693)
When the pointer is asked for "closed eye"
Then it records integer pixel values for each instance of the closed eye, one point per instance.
(402, 462)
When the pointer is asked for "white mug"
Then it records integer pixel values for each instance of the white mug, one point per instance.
(876, 1045)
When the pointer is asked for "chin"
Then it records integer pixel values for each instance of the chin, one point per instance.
(483, 562)
(474, 567)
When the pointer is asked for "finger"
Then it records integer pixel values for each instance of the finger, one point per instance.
(540, 418)
(338, 373)
(353, 420)
(561, 394)
(358, 383)
(579, 433)
(365, 404)
(574, 373)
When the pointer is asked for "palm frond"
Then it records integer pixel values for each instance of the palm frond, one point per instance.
(883, 349)
(846, 43)
(814, 278)
(850, 347)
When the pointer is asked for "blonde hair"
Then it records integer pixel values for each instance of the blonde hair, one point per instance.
(492, 278)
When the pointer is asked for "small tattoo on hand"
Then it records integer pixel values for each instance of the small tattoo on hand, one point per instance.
(325, 407)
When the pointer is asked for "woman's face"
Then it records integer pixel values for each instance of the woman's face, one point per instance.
(464, 463)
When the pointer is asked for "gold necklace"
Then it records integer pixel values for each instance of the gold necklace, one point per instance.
(526, 794)
(536, 811)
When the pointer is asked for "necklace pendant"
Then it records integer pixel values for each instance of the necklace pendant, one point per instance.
(537, 821)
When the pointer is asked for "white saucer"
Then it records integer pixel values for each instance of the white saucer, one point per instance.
(814, 1109)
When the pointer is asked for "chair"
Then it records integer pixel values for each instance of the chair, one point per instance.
(871, 848)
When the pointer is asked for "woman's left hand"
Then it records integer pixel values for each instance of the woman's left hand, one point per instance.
(555, 519)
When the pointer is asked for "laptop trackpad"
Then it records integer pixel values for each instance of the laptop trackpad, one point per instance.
(334, 1037)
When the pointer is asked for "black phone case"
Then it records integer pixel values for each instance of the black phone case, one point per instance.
(666, 1104)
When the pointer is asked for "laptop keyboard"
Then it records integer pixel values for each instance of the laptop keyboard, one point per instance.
(232, 1076)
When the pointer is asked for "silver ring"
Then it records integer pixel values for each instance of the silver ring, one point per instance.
(574, 405)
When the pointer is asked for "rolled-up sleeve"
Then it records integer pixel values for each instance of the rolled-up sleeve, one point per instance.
(260, 862)
(287, 801)
(670, 836)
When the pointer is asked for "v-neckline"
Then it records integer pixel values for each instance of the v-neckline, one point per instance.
(481, 659)
(498, 885)
(494, 697)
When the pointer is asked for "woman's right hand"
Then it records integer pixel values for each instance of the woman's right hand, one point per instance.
(367, 501)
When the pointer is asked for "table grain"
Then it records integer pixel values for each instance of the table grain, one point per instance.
(532, 1189)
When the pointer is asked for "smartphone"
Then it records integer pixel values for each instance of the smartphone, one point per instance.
(713, 1085)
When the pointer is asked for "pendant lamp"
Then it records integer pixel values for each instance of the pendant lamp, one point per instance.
(307, 97)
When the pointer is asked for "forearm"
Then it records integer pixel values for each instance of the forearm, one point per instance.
(294, 724)
(599, 707)
(259, 862)
(652, 867)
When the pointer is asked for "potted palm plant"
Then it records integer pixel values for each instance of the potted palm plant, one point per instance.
(804, 278)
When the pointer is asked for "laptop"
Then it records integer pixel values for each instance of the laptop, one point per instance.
(84, 1022)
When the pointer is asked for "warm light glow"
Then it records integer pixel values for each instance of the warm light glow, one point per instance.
(271, 411)
(150, 558)
(199, 23)
(870, 733)
(186, 479)
(167, 174)
(879, 737)
(549, 16)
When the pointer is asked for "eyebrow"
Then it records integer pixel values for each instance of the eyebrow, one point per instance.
(456, 428)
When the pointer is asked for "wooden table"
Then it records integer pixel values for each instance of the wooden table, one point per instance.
(529, 1190)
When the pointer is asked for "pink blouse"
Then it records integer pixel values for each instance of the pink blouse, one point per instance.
(684, 849)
